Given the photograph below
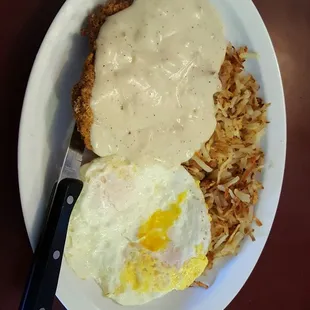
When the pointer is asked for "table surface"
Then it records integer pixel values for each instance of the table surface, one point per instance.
(280, 279)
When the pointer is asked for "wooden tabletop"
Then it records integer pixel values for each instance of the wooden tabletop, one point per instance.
(281, 278)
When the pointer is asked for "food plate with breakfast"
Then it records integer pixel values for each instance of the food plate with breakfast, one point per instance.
(181, 107)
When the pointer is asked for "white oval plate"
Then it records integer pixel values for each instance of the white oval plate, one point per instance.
(47, 117)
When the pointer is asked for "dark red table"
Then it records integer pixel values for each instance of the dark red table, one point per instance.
(281, 278)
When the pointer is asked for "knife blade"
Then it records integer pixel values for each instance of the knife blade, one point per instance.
(73, 158)
(43, 278)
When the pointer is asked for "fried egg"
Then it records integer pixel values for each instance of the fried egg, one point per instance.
(138, 231)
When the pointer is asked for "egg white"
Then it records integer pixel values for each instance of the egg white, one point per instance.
(103, 237)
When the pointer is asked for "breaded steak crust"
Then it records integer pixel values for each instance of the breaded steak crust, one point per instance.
(82, 91)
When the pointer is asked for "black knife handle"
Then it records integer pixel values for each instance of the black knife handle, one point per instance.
(42, 283)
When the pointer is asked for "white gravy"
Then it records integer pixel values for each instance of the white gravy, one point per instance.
(156, 67)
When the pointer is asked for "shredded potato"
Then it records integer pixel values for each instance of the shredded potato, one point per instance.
(199, 284)
(228, 163)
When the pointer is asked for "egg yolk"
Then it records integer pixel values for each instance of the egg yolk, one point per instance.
(144, 273)
(153, 234)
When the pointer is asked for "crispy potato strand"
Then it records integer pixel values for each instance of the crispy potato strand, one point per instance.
(231, 188)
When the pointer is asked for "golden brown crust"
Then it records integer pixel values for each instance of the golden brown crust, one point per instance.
(81, 92)
(81, 95)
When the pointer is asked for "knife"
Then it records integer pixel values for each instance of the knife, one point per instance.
(43, 278)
